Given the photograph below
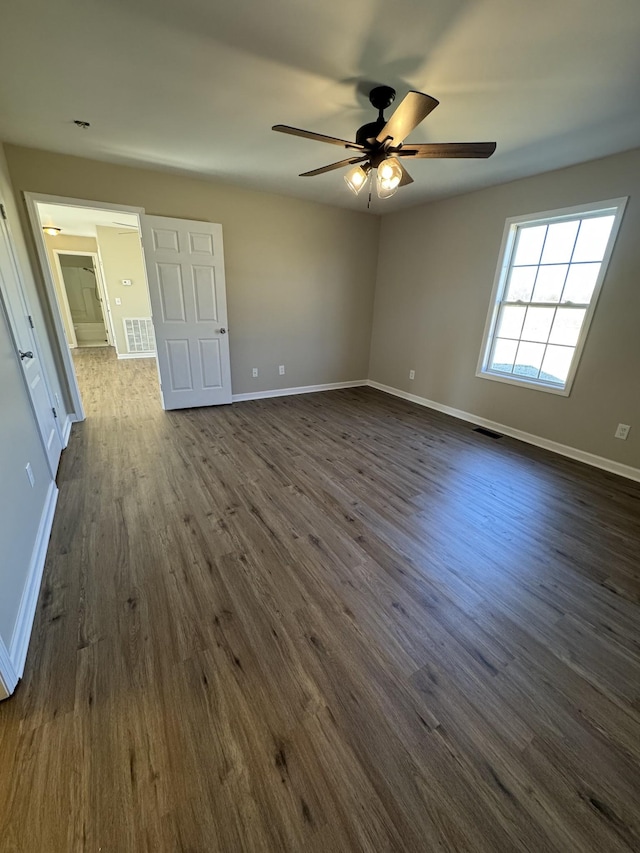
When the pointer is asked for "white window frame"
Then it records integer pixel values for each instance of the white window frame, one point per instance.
(614, 206)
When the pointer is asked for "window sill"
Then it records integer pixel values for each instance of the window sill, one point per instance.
(525, 383)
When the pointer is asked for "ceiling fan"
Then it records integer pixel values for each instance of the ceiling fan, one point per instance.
(379, 144)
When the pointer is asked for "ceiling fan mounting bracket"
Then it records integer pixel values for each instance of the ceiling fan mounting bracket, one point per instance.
(382, 97)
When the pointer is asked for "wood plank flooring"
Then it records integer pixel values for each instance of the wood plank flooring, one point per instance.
(335, 622)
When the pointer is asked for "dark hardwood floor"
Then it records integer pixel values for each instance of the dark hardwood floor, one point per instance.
(334, 622)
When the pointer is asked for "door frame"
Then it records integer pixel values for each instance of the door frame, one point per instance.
(32, 200)
(102, 293)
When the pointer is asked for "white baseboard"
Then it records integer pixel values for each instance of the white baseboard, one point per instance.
(66, 430)
(122, 355)
(555, 447)
(303, 389)
(24, 622)
(8, 676)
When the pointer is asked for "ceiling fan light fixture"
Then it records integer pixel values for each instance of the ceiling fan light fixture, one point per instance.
(388, 177)
(356, 177)
(51, 230)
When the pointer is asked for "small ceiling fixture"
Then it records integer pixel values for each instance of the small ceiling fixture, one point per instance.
(379, 144)
(51, 230)
(82, 124)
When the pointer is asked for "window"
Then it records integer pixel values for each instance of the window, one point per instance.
(549, 275)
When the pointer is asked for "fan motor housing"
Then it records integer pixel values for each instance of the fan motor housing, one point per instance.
(366, 135)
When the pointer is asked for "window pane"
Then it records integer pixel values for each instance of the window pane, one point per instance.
(549, 283)
(560, 241)
(556, 364)
(521, 284)
(511, 320)
(592, 239)
(566, 326)
(504, 354)
(538, 324)
(529, 359)
(529, 246)
(581, 282)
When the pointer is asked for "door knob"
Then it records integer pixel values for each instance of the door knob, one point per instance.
(27, 354)
(223, 331)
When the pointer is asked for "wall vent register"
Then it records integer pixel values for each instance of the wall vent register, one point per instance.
(140, 336)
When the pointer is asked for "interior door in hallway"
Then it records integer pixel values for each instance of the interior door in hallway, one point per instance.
(26, 345)
(185, 270)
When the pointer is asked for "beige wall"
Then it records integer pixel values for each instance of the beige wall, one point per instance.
(121, 257)
(435, 276)
(300, 275)
(67, 243)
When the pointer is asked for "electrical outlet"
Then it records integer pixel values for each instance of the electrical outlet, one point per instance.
(412, 374)
(30, 475)
(281, 370)
(254, 372)
(127, 282)
(622, 431)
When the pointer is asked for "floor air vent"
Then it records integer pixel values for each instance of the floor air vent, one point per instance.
(488, 432)
(139, 332)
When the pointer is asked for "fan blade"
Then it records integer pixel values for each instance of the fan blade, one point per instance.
(319, 137)
(448, 149)
(406, 177)
(414, 107)
(333, 166)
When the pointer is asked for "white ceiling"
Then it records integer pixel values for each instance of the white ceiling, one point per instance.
(82, 221)
(195, 85)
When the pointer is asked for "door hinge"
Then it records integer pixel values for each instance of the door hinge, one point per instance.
(3, 212)
(31, 321)
(53, 409)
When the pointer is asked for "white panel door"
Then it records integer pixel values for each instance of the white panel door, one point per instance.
(185, 269)
(26, 344)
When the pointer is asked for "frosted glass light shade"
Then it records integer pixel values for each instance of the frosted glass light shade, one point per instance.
(356, 178)
(389, 177)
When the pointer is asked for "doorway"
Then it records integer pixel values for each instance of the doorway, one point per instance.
(99, 291)
(166, 301)
(84, 311)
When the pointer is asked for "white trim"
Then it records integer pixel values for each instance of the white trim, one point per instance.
(610, 465)
(66, 431)
(122, 355)
(43, 198)
(8, 676)
(26, 612)
(303, 389)
(63, 301)
(617, 206)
